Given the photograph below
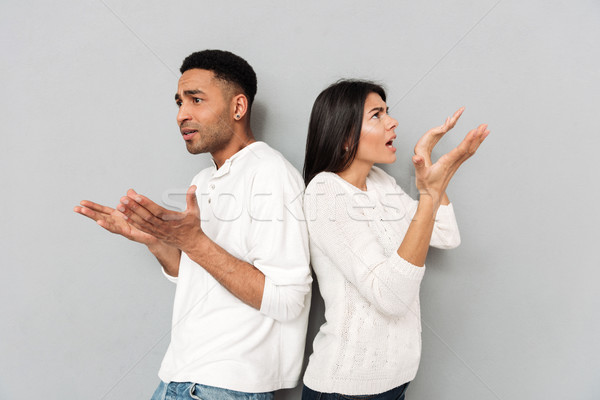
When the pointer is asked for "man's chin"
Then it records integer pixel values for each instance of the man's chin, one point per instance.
(194, 149)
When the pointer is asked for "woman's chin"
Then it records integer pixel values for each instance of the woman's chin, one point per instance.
(388, 160)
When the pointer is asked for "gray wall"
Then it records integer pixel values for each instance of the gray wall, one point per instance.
(87, 112)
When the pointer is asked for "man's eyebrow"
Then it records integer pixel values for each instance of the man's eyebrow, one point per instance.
(189, 93)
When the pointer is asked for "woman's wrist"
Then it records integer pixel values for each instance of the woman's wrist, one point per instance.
(430, 198)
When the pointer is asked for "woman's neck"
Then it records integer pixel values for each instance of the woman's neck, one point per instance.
(356, 174)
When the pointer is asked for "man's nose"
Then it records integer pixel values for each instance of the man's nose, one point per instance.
(182, 114)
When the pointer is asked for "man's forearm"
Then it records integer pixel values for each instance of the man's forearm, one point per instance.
(167, 256)
(242, 279)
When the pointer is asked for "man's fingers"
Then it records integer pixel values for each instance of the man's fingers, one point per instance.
(86, 212)
(191, 201)
(134, 212)
(148, 204)
(96, 207)
(109, 226)
(102, 219)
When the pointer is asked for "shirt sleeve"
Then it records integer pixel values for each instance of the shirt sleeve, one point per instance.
(278, 241)
(169, 277)
(387, 281)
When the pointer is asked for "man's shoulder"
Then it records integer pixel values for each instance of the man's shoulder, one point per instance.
(268, 163)
(261, 154)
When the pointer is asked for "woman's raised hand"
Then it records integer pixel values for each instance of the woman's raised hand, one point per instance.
(433, 178)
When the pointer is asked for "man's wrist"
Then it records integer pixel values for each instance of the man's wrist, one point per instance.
(155, 247)
(196, 244)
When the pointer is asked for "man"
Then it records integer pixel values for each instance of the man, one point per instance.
(238, 253)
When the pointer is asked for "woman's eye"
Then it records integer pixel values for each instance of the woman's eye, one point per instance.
(375, 116)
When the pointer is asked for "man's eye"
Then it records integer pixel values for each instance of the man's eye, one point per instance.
(197, 100)
(178, 103)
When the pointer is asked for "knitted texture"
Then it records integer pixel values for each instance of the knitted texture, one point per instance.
(371, 340)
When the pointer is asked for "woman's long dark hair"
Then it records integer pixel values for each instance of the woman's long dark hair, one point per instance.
(335, 123)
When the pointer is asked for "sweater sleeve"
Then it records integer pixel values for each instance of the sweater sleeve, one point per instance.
(387, 281)
(445, 233)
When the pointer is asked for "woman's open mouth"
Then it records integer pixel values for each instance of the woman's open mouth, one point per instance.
(390, 145)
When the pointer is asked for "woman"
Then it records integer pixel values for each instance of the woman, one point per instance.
(369, 241)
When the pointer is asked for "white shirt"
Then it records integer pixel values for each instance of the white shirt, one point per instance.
(371, 340)
(252, 207)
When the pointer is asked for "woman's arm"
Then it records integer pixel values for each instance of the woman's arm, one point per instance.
(432, 181)
(343, 245)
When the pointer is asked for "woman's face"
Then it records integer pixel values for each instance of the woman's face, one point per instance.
(377, 133)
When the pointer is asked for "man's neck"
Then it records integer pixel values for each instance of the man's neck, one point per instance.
(237, 143)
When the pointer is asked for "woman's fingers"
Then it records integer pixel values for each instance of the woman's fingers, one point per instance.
(476, 139)
(430, 139)
(467, 147)
(451, 121)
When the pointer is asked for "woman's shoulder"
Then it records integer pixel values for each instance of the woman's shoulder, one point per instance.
(325, 182)
(331, 182)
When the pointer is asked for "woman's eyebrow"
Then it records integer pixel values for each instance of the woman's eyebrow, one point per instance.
(380, 109)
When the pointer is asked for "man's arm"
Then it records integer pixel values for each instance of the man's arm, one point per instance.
(167, 256)
(115, 222)
(183, 231)
(242, 279)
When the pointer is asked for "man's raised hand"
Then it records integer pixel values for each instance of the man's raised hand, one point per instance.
(113, 221)
(178, 229)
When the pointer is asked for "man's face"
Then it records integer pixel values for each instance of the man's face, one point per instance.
(203, 116)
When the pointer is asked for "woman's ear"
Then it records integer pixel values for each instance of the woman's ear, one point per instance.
(346, 145)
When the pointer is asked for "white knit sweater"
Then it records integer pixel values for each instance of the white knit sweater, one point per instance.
(371, 340)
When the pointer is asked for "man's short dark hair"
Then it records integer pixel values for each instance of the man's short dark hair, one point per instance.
(226, 66)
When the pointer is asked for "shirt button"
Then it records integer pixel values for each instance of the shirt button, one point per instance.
(209, 200)
(212, 186)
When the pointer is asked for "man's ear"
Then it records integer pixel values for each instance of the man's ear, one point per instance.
(239, 105)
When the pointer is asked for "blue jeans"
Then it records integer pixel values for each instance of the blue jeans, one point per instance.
(394, 394)
(195, 391)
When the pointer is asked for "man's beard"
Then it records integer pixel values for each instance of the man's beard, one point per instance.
(211, 138)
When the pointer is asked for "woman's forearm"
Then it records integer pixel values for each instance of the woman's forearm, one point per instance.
(415, 245)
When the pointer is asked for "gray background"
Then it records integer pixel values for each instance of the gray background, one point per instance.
(87, 112)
